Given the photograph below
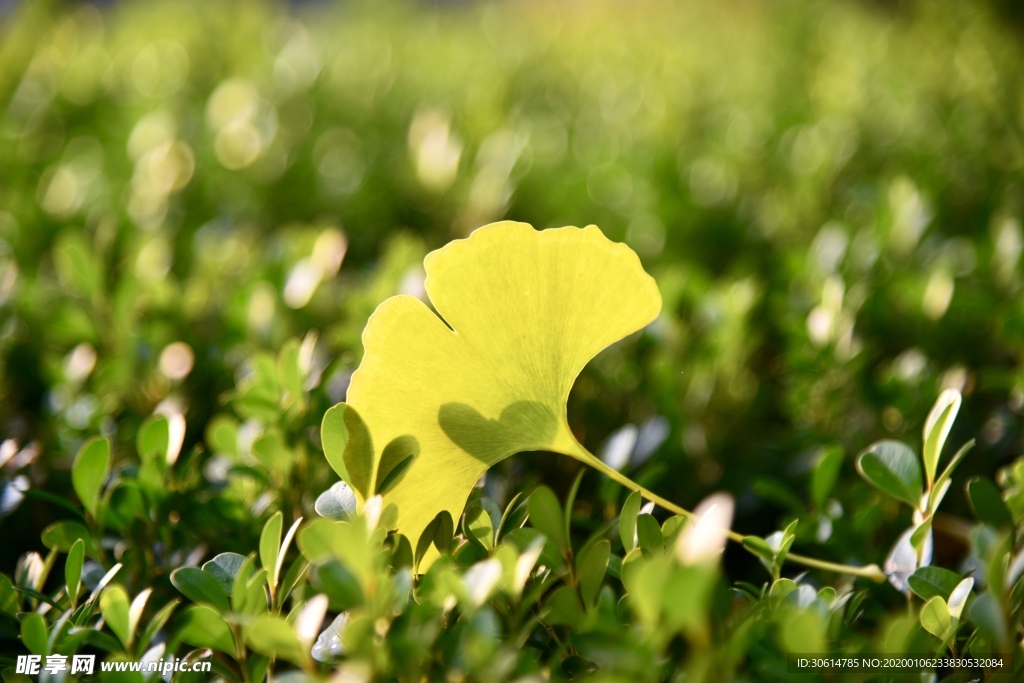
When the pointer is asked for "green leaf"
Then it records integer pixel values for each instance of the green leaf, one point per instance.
(334, 437)
(987, 615)
(935, 618)
(987, 502)
(936, 429)
(519, 314)
(928, 582)
(114, 606)
(942, 483)
(275, 637)
(201, 626)
(222, 435)
(33, 633)
(153, 439)
(272, 452)
(920, 535)
(893, 469)
(224, 567)
(91, 466)
(63, 535)
(73, 570)
(546, 517)
(479, 526)
(343, 589)
(241, 580)
(156, 623)
(627, 520)
(825, 473)
(8, 596)
(337, 503)
(759, 547)
(200, 587)
(590, 569)
(564, 608)
(270, 547)
(648, 533)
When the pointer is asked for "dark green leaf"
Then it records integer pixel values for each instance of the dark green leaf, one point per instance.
(825, 473)
(33, 633)
(201, 626)
(928, 582)
(627, 521)
(590, 569)
(73, 569)
(91, 466)
(987, 502)
(62, 536)
(224, 567)
(200, 587)
(893, 469)
(648, 533)
(546, 517)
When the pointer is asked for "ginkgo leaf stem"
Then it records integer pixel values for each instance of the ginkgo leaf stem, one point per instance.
(871, 571)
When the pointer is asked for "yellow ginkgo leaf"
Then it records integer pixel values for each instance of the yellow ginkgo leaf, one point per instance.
(439, 398)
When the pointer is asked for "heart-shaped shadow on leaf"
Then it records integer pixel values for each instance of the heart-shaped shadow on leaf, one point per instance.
(525, 311)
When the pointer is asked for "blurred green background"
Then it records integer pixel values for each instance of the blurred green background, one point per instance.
(829, 195)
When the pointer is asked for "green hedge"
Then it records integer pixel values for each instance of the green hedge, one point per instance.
(199, 199)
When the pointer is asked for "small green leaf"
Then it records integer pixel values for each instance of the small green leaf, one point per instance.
(200, 587)
(936, 429)
(337, 503)
(564, 607)
(825, 473)
(272, 452)
(153, 439)
(893, 469)
(920, 535)
(33, 633)
(590, 569)
(222, 435)
(114, 606)
(91, 466)
(8, 596)
(546, 516)
(987, 502)
(155, 624)
(648, 533)
(224, 567)
(73, 570)
(270, 546)
(343, 589)
(759, 547)
(274, 637)
(238, 585)
(627, 520)
(63, 535)
(780, 589)
(987, 615)
(935, 618)
(479, 526)
(942, 483)
(201, 626)
(929, 582)
(334, 436)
